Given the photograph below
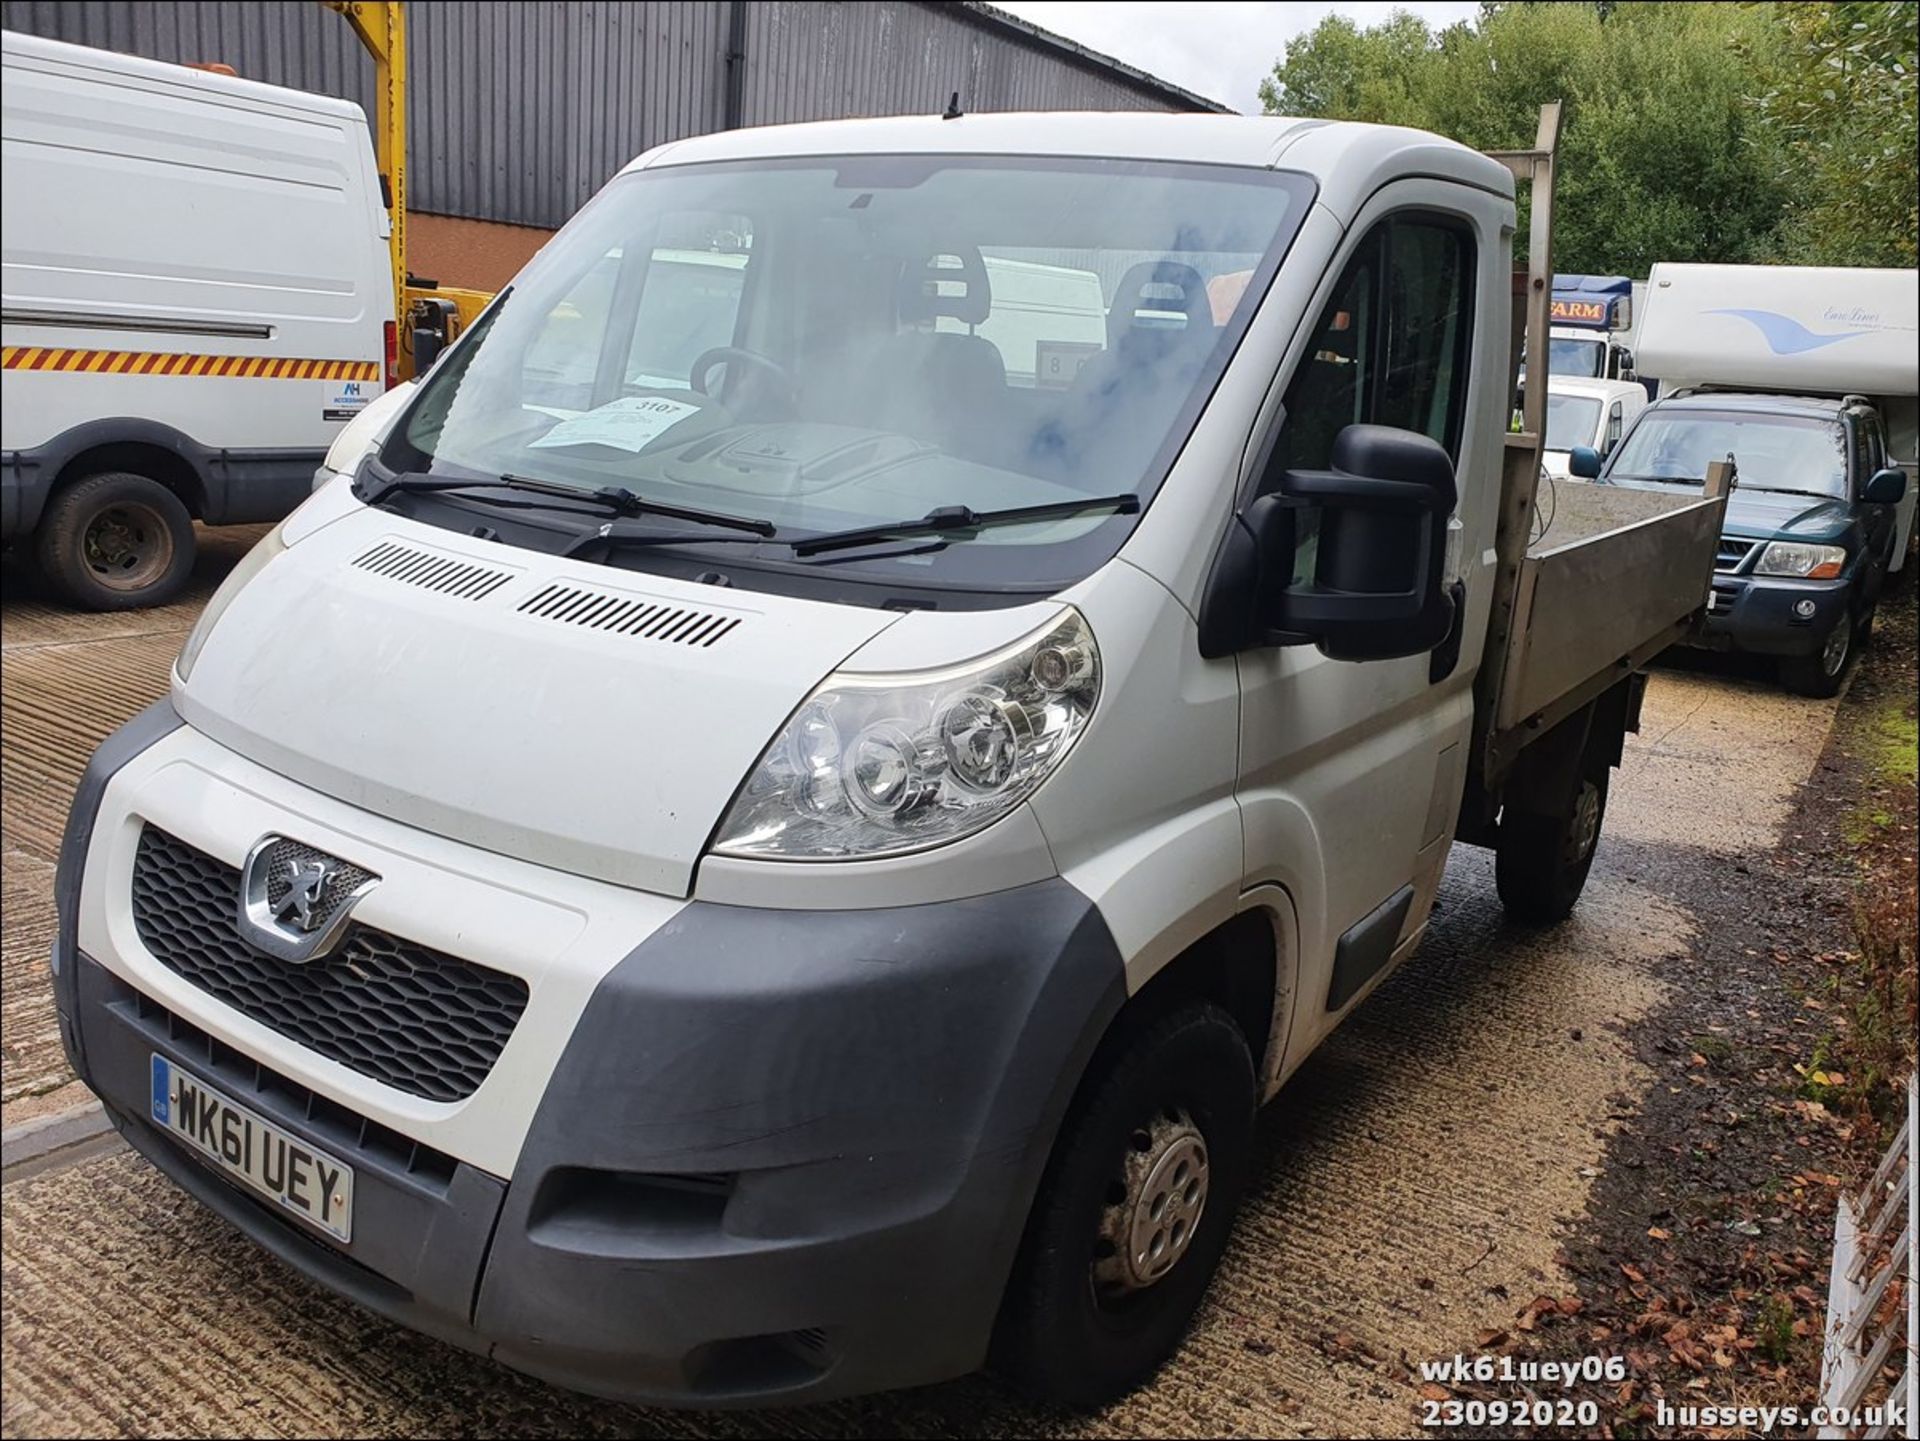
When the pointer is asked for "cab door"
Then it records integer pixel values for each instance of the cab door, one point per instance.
(1350, 772)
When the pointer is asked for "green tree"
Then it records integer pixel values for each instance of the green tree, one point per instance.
(1665, 153)
(1843, 114)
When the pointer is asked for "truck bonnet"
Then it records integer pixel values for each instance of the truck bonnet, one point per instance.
(571, 715)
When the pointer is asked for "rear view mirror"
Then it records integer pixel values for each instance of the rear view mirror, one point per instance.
(1351, 559)
(1584, 462)
(1888, 487)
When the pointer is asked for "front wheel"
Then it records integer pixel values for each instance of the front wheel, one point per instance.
(1821, 675)
(1541, 861)
(1133, 1214)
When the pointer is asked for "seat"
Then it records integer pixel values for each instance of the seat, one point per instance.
(1115, 413)
(944, 387)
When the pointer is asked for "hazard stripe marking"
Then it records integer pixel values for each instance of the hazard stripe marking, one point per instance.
(151, 362)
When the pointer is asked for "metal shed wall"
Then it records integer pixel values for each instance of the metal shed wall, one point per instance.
(519, 112)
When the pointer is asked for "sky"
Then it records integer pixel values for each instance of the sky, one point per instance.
(1217, 48)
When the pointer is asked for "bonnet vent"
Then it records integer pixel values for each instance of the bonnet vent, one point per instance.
(641, 617)
(429, 570)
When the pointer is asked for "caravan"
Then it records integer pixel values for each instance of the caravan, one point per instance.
(1807, 377)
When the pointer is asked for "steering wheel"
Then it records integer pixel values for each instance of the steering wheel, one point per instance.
(783, 386)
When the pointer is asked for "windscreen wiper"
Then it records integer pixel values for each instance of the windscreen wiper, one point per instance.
(615, 498)
(957, 518)
(949, 523)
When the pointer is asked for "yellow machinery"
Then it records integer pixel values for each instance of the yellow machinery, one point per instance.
(428, 315)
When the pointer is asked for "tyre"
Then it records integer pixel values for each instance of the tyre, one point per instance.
(116, 541)
(1133, 1213)
(1822, 674)
(1541, 862)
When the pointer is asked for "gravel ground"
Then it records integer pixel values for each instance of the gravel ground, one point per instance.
(1416, 1181)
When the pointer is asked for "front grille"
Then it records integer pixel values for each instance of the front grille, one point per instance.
(1731, 553)
(418, 1020)
(1720, 600)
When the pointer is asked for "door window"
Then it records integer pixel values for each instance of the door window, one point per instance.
(1872, 448)
(1390, 348)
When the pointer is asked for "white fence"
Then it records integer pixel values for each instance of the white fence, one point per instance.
(1873, 1247)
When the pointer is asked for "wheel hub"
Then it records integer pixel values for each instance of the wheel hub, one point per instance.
(1585, 830)
(1834, 655)
(126, 546)
(1154, 1206)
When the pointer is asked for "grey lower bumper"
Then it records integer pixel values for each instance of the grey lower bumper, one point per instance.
(1775, 617)
(785, 1156)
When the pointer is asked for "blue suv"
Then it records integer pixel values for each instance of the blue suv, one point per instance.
(1810, 526)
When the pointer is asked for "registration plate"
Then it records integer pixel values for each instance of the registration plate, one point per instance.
(309, 1183)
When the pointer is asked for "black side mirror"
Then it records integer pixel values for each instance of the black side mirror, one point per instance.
(1625, 363)
(1584, 462)
(426, 349)
(1372, 584)
(1887, 487)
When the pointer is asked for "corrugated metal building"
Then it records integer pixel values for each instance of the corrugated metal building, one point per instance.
(519, 112)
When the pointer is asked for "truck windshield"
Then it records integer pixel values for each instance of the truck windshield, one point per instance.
(848, 341)
(1571, 421)
(1569, 356)
(1770, 452)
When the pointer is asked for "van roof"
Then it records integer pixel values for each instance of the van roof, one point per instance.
(1348, 160)
(1588, 386)
(110, 65)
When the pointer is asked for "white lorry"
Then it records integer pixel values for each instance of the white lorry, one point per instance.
(1593, 320)
(197, 299)
(796, 882)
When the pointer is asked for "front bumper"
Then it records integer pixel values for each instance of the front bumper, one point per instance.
(1760, 615)
(782, 1157)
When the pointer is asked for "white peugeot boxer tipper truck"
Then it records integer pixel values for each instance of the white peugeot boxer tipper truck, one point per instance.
(793, 879)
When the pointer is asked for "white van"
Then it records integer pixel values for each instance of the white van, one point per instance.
(197, 297)
(794, 879)
(1589, 414)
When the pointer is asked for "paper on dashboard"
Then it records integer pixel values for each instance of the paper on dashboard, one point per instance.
(631, 423)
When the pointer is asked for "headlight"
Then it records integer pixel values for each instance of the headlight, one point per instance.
(1808, 562)
(270, 545)
(875, 765)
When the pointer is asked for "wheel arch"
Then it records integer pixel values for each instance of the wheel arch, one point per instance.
(129, 443)
(1245, 965)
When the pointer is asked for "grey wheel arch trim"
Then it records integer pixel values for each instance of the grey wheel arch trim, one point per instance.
(232, 486)
(884, 1086)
